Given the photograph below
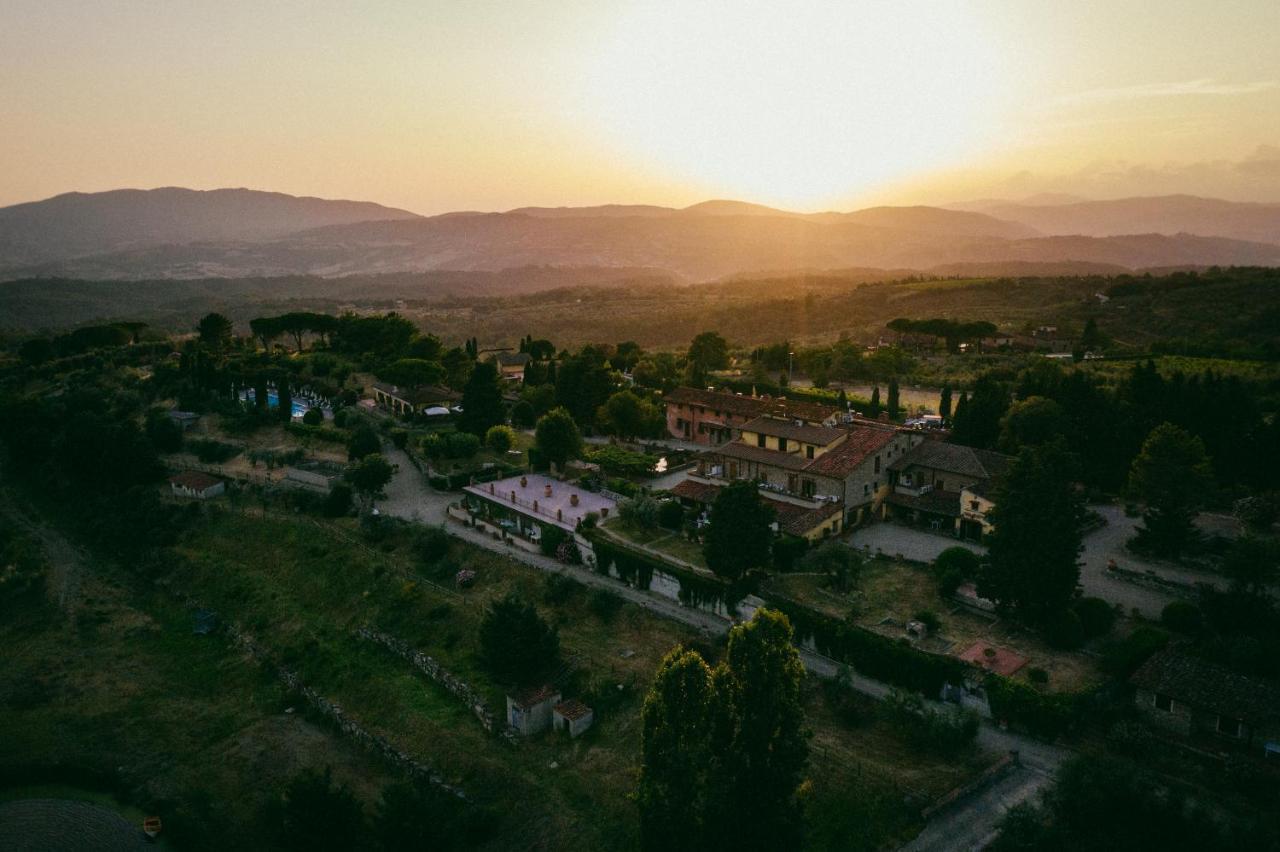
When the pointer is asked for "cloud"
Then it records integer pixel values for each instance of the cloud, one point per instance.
(1206, 87)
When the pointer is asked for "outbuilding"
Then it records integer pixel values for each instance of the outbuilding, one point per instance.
(572, 716)
(196, 485)
(529, 711)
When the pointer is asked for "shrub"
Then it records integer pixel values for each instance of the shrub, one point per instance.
(313, 417)
(670, 514)
(1096, 616)
(450, 445)
(949, 581)
(1038, 676)
(1122, 658)
(929, 619)
(589, 520)
(560, 589)
(605, 604)
(947, 730)
(958, 559)
(213, 452)
(551, 539)
(400, 438)
(1182, 616)
(640, 511)
(433, 544)
(523, 415)
(1065, 630)
(787, 549)
(364, 442)
(338, 503)
(500, 439)
(1044, 715)
(516, 644)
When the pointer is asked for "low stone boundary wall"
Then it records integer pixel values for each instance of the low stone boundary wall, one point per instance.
(438, 674)
(989, 776)
(331, 711)
(1153, 580)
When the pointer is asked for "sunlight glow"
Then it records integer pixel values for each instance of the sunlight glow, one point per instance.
(800, 102)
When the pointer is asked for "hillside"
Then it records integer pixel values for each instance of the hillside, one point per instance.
(78, 224)
(1169, 214)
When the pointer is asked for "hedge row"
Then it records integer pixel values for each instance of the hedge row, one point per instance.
(893, 661)
(320, 433)
(636, 568)
(1041, 714)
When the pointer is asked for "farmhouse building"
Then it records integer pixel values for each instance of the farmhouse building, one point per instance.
(511, 365)
(845, 466)
(572, 716)
(712, 417)
(196, 485)
(946, 486)
(414, 400)
(1185, 695)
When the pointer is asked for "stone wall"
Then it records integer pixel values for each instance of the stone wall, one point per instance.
(437, 673)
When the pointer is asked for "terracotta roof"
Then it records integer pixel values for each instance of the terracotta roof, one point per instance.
(195, 480)
(792, 518)
(1208, 686)
(853, 451)
(937, 502)
(572, 709)
(802, 431)
(750, 406)
(527, 698)
(798, 520)
(513, 359)
(699, 492)
(746, 452)
(954, 458)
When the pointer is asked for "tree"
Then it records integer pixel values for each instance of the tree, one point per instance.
(482, 406)
(215, 330)
(364, 441)
(628, 416)
(723, 752)
(893, 405)
(557, 437)
(516, 645)
(762, 741)
(409, 372)
(1032, 568)
(1252, 563)
(675, 728)
(583, 384)
(708, 351)
(835, 559)
(954, 566)
(1031, 422)
(944, 402)
(457, 368)
(977, 420)
(739, 537)
(873, 411)
(316, 814)
(369, 476)
(523, 415)
(500, 439)
(1171, 475)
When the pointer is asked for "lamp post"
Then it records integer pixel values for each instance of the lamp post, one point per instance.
(790, 367)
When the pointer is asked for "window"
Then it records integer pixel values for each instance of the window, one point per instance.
(782, 444)
(1163, 702)
(973, 504)
(1228, 726)
(807, 487)
(759, 439)
(792, 481)
(808, 451)
(866, 488)
(940, 485)
(877, 463)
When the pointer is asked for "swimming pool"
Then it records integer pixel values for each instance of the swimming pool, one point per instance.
(273, 401)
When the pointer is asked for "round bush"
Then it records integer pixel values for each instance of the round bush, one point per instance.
(670, 515)
(500, 438)
(1182, 616)
(1096, 616)
(957, 559)
(949, 581)
(1065, 631)
(313, 417)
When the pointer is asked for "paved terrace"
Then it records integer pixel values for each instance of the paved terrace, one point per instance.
(544, 498)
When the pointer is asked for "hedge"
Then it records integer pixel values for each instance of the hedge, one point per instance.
(320, 433)
(890, 660)
(1043, 715)
(637, 569)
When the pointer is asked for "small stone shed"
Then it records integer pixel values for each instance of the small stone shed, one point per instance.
(196, 485)
(572, 717)
(529, 711)
(1193, 697)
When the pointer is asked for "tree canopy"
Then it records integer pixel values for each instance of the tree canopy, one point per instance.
(739, 537)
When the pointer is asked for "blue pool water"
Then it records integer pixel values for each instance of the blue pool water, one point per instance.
(273, 401)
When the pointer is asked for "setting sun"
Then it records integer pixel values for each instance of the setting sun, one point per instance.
(804, 103)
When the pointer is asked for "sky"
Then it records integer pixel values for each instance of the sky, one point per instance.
(477, 105)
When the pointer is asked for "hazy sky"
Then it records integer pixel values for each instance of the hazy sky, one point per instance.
(470, 104)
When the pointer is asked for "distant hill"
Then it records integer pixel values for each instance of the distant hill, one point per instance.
(1166, 214)
(78, 224)
(180, 234)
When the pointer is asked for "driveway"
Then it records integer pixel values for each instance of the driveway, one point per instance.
(408, 494)
(917, 545)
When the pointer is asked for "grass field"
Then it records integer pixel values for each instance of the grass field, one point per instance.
(189, 718)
